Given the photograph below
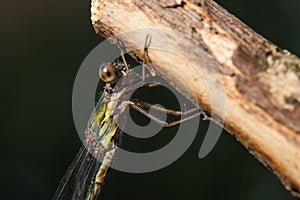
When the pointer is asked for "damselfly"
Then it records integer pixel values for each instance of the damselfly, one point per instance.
(86, 175)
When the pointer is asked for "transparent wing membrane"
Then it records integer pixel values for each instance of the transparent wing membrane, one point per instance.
(76, 181)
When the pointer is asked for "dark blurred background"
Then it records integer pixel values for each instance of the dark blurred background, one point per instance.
(43, 44)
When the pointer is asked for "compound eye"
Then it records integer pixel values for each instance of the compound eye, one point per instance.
(109, 73)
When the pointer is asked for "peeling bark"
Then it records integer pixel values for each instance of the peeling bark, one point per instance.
(261, 82)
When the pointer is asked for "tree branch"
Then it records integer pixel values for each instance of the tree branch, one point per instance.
(212, 52)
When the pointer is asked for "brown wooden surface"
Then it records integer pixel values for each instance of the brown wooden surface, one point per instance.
(205, 51)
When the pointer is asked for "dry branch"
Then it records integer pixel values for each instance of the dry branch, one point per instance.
(260, 81)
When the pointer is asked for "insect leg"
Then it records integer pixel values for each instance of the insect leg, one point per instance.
(165, 110)
(163, 123)
(124, 60)
(146, 53)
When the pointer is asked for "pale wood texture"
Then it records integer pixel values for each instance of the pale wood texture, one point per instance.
(214, 52)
